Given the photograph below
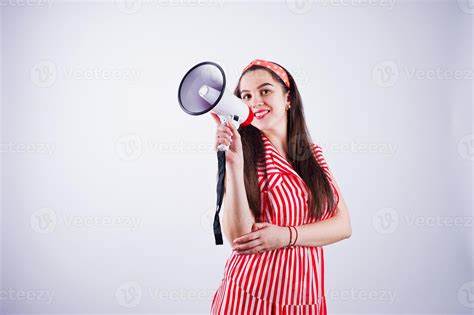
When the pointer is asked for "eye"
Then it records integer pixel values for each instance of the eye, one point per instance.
(265, 91)
(245, 97)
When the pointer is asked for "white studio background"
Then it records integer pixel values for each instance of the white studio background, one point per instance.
(108, 187)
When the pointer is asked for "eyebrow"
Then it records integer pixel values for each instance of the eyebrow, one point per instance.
(261, 85)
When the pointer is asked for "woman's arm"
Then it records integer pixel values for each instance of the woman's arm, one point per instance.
(266, 236)
(237, 218)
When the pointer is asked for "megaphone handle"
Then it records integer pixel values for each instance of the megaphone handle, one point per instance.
(224, 118)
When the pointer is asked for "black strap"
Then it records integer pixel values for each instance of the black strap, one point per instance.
(220, 196)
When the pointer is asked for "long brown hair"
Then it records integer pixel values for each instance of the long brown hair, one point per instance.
(299, 151)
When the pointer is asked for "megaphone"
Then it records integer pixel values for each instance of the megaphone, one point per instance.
(203, 89)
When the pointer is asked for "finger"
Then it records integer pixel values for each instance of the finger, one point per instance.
(258, 226)
(216, 118)
(224, 132)
(224, 141)
(255, 250)
(246, 238)
(232, 127)
(248, 245)
(224, 136)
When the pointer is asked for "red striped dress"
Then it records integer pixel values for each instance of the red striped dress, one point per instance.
(285, 280)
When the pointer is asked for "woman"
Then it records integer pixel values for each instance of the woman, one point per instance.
(281, 203)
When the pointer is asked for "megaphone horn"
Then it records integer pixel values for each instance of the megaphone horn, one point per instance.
(203, 89)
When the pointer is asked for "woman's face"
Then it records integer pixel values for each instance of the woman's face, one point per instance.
(265, 96)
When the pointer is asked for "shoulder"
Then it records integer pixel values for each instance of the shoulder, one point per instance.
(318, 154)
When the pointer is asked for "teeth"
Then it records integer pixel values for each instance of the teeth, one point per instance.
(259, 114)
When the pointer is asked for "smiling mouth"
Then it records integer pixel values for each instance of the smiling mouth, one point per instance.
(261, 114)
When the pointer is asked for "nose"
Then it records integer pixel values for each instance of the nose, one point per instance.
(257, 101)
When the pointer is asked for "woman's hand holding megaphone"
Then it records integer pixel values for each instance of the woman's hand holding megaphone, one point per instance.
(229, 135)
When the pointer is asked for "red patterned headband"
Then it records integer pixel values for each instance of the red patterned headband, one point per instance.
(279, 71)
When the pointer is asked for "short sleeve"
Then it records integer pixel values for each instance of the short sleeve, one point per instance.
(319, 156)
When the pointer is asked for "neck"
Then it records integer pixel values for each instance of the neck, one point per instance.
(278, 139)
